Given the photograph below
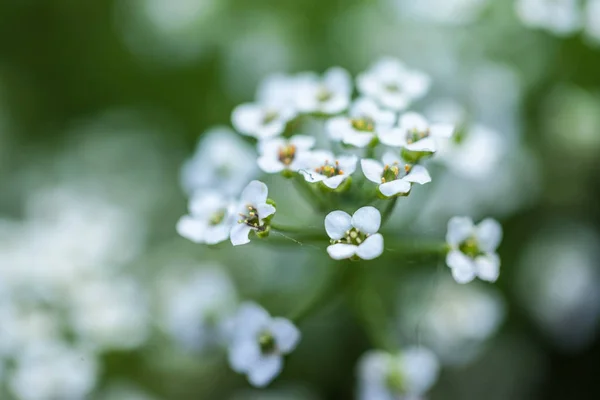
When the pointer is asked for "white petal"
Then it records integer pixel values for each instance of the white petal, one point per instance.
(303, 142)
(459, 229)
(341, 251)
(371, 248)
(348, 163)
(246, 118)
(270, 165)
(418, 174)
(421, 369)
(426, 144)
(412, 120)
(417, 84)
(270, 146)
(488, 267)
(338, 80)
(255, 193)
(312, 176)
(286, 334)
(205, 203)
(335, 181)
(391, 157)
(394, 100)
(217, 234)
(393, 188)
(192, 229)
(489, 235)
(367, 219)
(442, 130)
(337, 223)
(358, 139)
(338, 128)
(250, 320)
(243, 354)
(372, 170)
(463, 268)
(265, 210)
(265, 370)
(239, 234)
(393, 137)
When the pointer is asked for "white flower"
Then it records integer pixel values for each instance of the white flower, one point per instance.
(210, 220)
(592, 20)
(327, 95)
(222, 162)
(391, 84)
(414, 133)
(281, 154)
(254, 209)
(473, 249)
(385, 376)
(354, 235)
(562, 17)
(394, 177)
(259, 343)
(326, 168)
(262, 120)
(365, 122)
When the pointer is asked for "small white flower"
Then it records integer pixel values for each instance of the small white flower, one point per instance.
(473, 249)
(394, 176)
(354, 235)
(262, 120)
(254, 209)
(281, 154)
(259, 343)
(330, 170)
(327, 95)
(592, 20)
(385, 376)
(414, 133)
(210, 220)
(222, 162)
(562, 17)
(365, 122)
(391, 84)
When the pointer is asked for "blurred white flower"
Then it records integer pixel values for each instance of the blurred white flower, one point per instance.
(262, 120)
(329, 94)
(451, 12)
(365, 121)
(394, 177)
(279, 154)
(222, 162)
(254, 209)
(385, 376)
(198, 307)
(53, 371)
(415, 134)
(329, 169)
(211, 217)
(592, 20)
(561, 17)
(259, 343)
(354, 235)
(391, 84)
(473, 249)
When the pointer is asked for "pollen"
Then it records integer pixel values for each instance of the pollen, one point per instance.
(287, 154)
(330, 170)
(363, 124)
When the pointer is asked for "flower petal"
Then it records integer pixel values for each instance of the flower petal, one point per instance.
(358, 139)
(192, 229)
(459, 229)
(337, 223)
(418, 174)
(269, 164)
(489, 235)
(245, 118)
(265, 210)
(391, 157)
(442, 130)
(239, 234)
(286, 334)
(312, 176)
(488, 267)
(265, 369)
(255, 193)
(371, 248)
(341, 251)
(421, 369)
(412, 120)
(372, 169)
(367, 219)
(393, 188)
(463, 268)
(250, 319)
(243, 354)
(395, 137)
(348, 163)
(217, 234)
(427, 144)
(337, 128)
(303, 142)
(335, 181)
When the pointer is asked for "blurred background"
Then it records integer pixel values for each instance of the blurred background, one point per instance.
(102, 102)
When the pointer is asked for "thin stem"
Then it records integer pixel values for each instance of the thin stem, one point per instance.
(387, 213)
(308, 193)
(285, 228)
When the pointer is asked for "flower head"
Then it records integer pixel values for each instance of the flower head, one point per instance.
(385, 376)
(259, 343)
(254, 212)
(354, 235)
(392, 85)
(327, 95)
(394, 176)
(365, 122)
(281, 154)
(262, 120)
(562, 17)
(332, 171)
(415, 134)
(211, 217)
(473, 249)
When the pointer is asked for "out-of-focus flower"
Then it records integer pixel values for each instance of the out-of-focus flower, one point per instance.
(391, 84)
(255, 210)
(330, 170)
(222, 162)
(385, 376)
(259, 344)
(365, 121)
(415, 134)
(262, 120)
(394, 177)
(592, 20)
(473, 249)
(561, 17)
(211, 217)
(278, 154)
(354, 235)
(451, 12)
(197, 309)
(327, 95)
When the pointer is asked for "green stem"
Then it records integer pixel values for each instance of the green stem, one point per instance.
(285, 228)
(387, 213)
(308, 193)
(410, 247)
